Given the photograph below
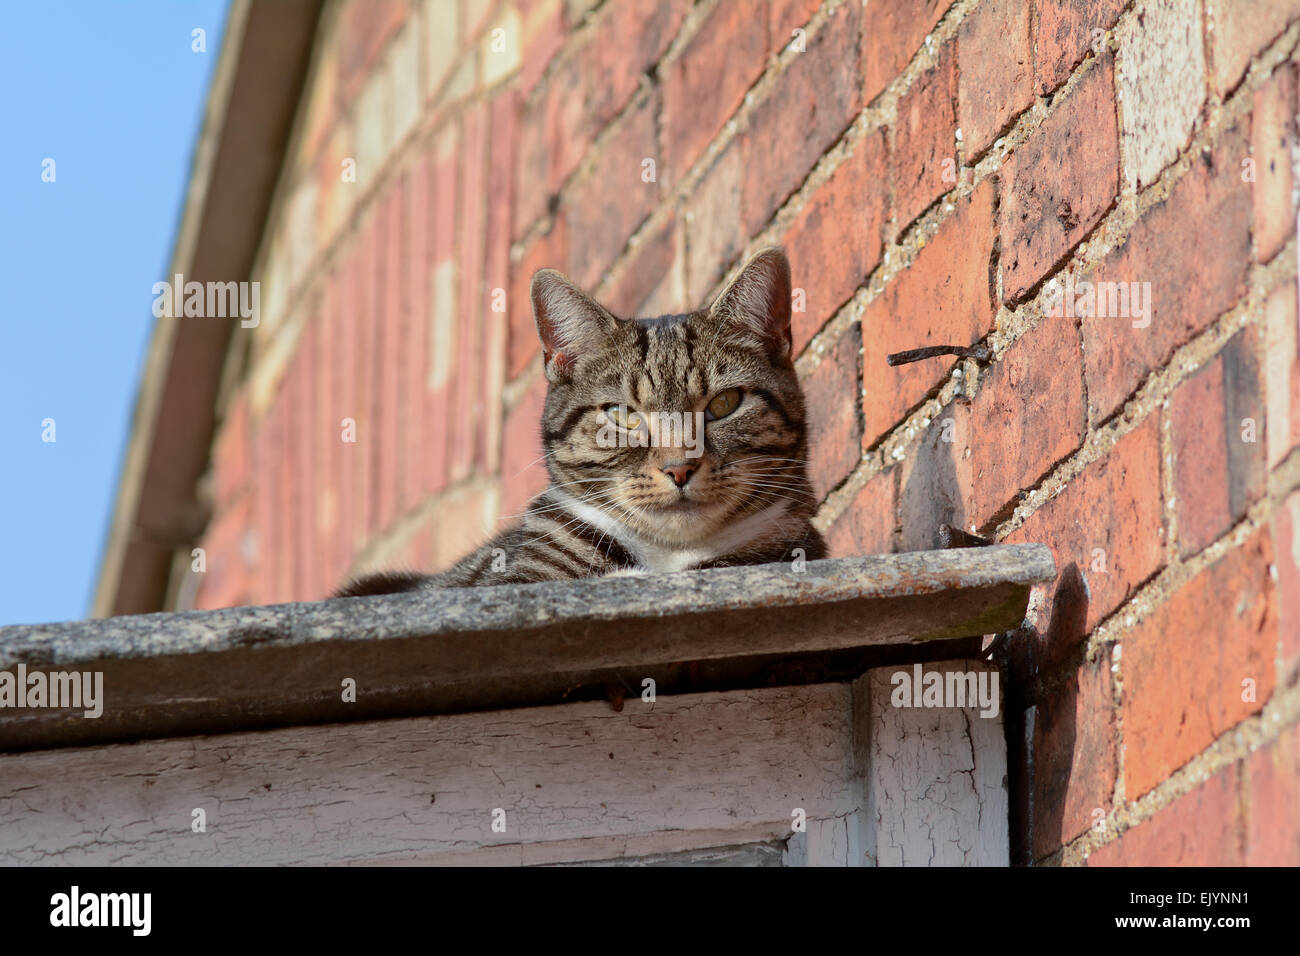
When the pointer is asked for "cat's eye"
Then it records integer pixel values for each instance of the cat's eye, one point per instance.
(722, 404)
(624, 417)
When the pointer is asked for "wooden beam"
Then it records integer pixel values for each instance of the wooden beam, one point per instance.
(489, 648)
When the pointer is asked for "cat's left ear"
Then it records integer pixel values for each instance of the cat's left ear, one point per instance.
(569, 322)
(758, 302)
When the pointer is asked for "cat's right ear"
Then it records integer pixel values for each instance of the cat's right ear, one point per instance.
(569, 322)
(757, 303)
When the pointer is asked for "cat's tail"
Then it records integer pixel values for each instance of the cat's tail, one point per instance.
(384, 582)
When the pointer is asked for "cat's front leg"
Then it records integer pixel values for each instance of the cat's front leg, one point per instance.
(626, 573)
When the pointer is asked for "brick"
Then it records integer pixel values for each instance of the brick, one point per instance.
(404, 62)
(1160, 78)
(374, 124)
(1060, 183)
(1195, 273)
(228, 579)
(233, 452)
(415, 553)
(466, 411)
(706, 82)
(834, 413)
(868, 524)
(714, 234)
(441, 24)
(475, 14)
(415, 334)
(542, 26)
(532, 194)
(496, 274)
(1285, 527)
(668, 296)
(282, 564)
(836, 240)
(446, 193)
(1273, 783)
(995, 71)
(328, 460)
(306, 556)
(1273, 141)
(934, 481)
(436, 445)
(500, 46)
(891, 34)
(807, 109)
(605, 207)
(645, 270)
(393, 346)
(586, 90)
(924, 148)
(463, 519)
(347, 333)
(1105, 529)
(1184, 664)
(945, 297)
(1027, 416)
(549, 251)
(1067, 31)
(1218, 472)
(363, 30)
(577, 10)
(523, 472)
(367, 365)
(784, 17)
(1200, 828)
(1240, 30)
(266, 438)
(299, 230)
(335, 196)
(1074, 761)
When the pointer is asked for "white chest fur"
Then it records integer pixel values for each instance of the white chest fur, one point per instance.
(655, 557)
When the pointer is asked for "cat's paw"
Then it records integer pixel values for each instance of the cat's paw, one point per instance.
(627, 573)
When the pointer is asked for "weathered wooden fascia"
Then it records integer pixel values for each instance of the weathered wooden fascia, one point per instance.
(168, 675)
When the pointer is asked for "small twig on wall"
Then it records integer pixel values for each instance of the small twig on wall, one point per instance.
(979, 353)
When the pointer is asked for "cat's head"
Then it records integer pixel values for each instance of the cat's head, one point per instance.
(680, 424)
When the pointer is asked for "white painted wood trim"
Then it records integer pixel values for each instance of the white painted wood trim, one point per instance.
(577, 782)
(935, 783)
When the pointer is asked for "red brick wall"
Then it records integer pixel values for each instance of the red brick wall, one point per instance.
(931, 166)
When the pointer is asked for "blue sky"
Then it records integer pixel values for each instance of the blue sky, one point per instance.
(113, 93)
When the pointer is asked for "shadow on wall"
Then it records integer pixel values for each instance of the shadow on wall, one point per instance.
(931, 494)
(1040, 782)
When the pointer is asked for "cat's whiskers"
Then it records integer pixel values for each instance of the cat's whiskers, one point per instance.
(559, 505)
(741, 461)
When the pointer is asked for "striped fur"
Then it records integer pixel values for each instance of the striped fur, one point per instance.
(611, 507)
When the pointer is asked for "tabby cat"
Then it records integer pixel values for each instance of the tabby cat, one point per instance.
(672, 443)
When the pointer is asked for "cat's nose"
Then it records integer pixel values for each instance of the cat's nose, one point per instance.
(680, 473)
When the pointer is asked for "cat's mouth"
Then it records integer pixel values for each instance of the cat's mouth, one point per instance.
(672, 504)
(681, 505)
